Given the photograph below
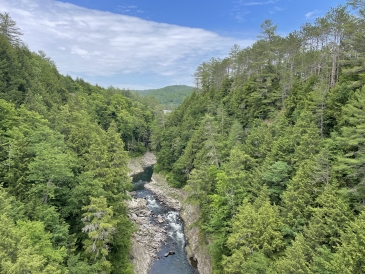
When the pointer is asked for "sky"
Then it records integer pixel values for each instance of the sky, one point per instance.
(143, 44)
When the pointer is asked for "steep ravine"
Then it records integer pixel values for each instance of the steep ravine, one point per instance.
(137, 164)
(147, 240)
(196, 249)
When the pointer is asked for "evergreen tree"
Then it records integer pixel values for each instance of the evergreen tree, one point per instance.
(9, 29)
(100, 227)
(256, 235)
(352, 161)
(350, 254)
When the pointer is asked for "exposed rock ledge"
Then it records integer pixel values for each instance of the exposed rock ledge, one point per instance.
(147, 240)
(175, 198)
(137, 164)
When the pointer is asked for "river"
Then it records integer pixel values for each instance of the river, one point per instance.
(170, 220)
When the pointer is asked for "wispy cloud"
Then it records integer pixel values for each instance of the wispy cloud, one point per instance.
(111, 48)
(240, 14)
(129, 10)
(311, 14)
(241, 8)
(256, 3)
(276, 9)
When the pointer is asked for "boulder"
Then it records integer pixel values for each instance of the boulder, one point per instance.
(160, 220)
(169, 253)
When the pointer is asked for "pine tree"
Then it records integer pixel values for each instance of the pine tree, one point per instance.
(349, 257)
(9, 29)
(330, 215)
(100, 227)
(256, 229)
(352, 161)
(295, 260)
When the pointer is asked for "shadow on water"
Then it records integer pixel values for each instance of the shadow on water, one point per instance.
(172, 223)
(146, 175)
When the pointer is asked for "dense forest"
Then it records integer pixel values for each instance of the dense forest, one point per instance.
(271, 146)
(64, 146)
(170, 97)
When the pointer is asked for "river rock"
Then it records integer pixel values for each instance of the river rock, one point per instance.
(169, 253)
(196, 246)
(147, 239)
(166, 198)
(146, 243)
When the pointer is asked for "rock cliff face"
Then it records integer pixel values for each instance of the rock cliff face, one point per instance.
(136, 165)
(196, 248)
(175, 198)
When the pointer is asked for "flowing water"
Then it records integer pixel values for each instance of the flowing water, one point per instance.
(176, 263)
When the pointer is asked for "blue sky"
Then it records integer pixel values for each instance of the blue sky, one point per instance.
(149, 44)
(238, 18)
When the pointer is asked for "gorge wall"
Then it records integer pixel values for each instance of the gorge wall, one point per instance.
(147, 239)
(196, 248)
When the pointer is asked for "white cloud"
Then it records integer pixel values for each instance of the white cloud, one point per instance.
(310, 15)
(95, 44)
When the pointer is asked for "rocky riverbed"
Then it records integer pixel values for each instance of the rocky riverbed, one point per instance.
(149, 237)
(196, 248)
(147, 240)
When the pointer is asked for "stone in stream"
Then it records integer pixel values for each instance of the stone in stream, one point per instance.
(160, 220)
(169, 253)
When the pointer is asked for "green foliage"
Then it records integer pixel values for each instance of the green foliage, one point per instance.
(63, 142)
(349, 257)
(256, 236)
(270, 147)
(352, 140)
(100, 227)
(276, 178)
(295, 260)
(170, 97)
(9, 29)
(26, 246)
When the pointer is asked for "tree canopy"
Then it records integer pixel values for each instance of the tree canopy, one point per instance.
(64, 147)
(270, 146)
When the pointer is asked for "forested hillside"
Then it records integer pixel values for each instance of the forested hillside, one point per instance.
(170, 97)
(63, 165)
(271, 147)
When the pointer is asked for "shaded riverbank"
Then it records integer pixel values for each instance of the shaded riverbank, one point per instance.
(147, 240)
(158, 244)
(196, 249)
(137, 165)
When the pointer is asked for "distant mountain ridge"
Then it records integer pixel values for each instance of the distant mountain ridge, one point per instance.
(170, 96)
